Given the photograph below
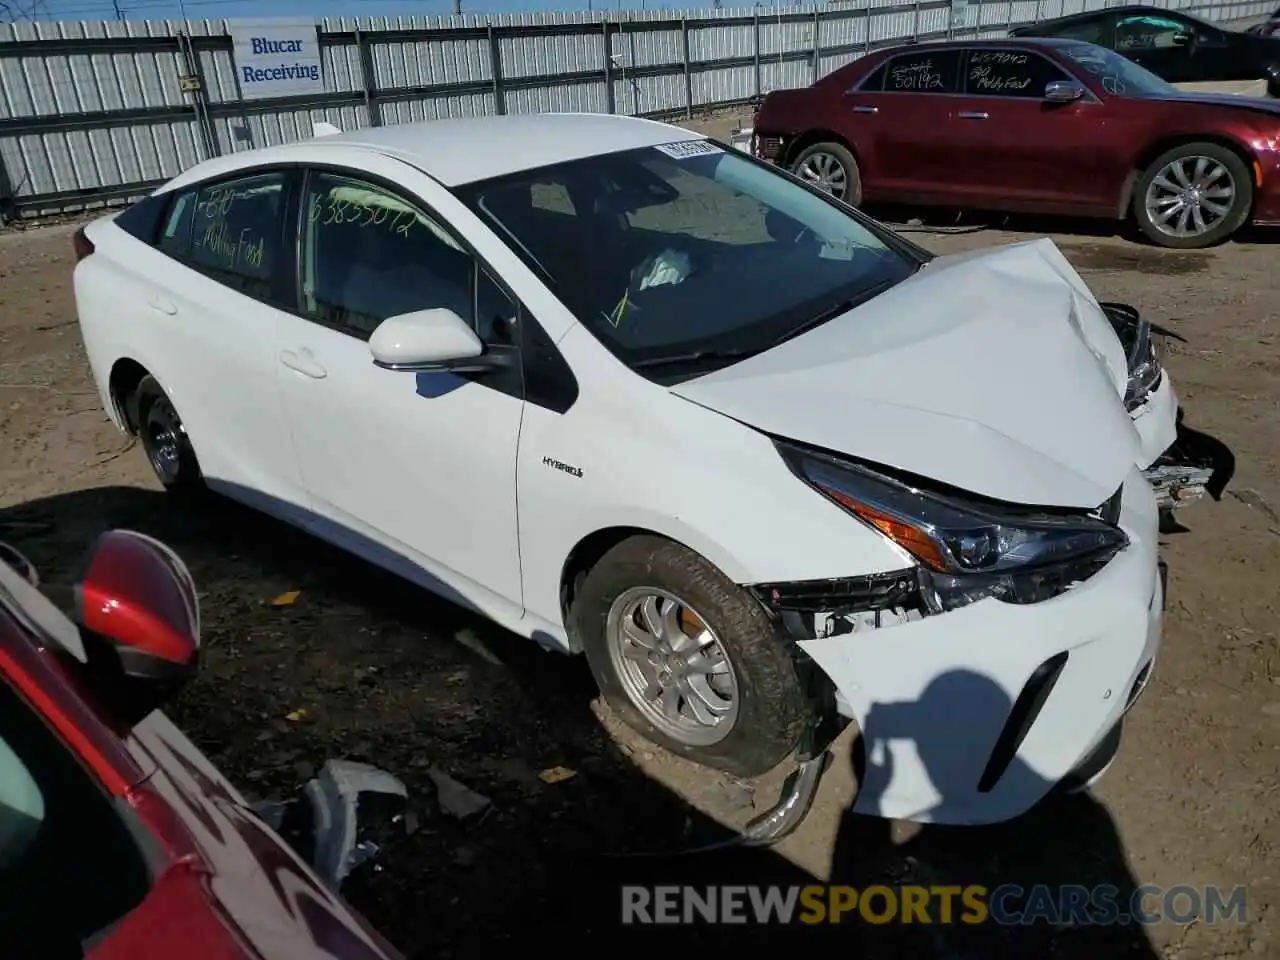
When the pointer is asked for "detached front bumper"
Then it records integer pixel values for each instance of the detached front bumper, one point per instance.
(973, 716)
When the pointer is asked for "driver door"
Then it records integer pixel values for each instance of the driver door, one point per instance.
(1024, 152)
(402, 466)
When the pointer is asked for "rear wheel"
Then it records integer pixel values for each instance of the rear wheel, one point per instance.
(830, 167)
(165, 439)
(1194, 195)
(688, 659)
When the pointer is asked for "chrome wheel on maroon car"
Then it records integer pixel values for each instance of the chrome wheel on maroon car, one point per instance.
(1190, 195)
(832, 168)
(1193, 195)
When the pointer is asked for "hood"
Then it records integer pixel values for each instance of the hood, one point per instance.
(993, 371)
(1235, 101)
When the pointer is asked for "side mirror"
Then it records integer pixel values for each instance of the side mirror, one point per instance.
(428, 341)
(1063, 91)
(139, 618)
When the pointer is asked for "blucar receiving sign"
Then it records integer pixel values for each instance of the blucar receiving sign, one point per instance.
(276, 58)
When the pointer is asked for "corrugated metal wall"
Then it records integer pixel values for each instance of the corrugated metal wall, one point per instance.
(92, 112)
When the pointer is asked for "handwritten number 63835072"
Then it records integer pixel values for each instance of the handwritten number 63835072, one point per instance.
(326, 210)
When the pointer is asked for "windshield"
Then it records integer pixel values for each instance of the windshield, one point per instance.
(687, 255)
(1120, 76)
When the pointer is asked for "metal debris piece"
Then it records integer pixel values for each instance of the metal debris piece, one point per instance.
(556, 774)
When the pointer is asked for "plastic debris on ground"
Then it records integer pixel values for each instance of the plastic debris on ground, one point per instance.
(456, 799)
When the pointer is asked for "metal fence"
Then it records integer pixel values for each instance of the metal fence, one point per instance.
(95, 112)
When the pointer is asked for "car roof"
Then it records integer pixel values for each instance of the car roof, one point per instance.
(1016, 42)
(1127, 8)
(463, 150)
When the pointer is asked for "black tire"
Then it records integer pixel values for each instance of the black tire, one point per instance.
(772, 711)
(838, 152)
(1238, 212)
(165, 440)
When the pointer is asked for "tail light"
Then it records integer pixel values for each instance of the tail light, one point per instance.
(82, 244)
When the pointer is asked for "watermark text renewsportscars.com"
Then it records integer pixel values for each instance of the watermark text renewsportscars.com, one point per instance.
(1008, 904)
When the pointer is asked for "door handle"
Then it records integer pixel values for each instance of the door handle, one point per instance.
(971, 115)
(866, 109)
(160, 305)
(305, 365)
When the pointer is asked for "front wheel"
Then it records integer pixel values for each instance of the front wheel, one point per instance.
(830, 167)
(1192, 196)
(688, 659)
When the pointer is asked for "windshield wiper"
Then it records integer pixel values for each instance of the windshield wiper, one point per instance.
(694, 357)
(844, 306)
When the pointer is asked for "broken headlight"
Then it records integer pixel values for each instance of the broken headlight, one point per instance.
(967, 549)
(1145, 369)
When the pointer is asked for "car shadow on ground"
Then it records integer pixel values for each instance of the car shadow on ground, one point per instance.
(362, 665)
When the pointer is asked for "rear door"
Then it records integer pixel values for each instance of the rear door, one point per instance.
(1014, 149)
(894, 120)
(201, 311)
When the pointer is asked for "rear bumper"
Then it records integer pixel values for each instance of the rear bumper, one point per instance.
(973, 716)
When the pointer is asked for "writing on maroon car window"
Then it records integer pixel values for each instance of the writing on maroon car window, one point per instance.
(917, 75)
(999, 71)
(230, 245)
(337, 209)
(998, 57)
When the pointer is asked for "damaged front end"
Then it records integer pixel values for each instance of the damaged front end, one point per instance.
(1194, 463)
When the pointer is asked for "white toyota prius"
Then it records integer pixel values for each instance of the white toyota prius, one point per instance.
(633, 394)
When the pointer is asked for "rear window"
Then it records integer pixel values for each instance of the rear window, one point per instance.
(922, 71)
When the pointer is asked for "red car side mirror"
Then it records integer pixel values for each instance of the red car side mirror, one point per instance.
(139, 615)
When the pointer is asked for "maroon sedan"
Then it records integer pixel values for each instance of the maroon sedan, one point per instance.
(119, 840)
(1035, 125)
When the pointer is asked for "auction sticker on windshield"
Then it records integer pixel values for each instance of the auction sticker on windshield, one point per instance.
(687, 148)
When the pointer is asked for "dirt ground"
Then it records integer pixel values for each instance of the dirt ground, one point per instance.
(365, 667)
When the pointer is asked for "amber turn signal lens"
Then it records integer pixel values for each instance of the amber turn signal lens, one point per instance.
(914, 541)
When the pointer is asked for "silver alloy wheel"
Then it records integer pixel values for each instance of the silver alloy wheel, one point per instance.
(826, 172)
(1190, 196)
(672, 665)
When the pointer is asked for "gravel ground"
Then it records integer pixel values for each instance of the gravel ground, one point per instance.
(363, 666)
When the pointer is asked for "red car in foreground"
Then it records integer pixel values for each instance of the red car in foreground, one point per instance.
(119, 840)
(1035, 125)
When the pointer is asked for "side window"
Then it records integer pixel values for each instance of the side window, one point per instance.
(175, 235)
(236, 232)
(368, 255)
(874, 83)
(1009, 73)
(1149, 33)
(63, 846)
(923, 71)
